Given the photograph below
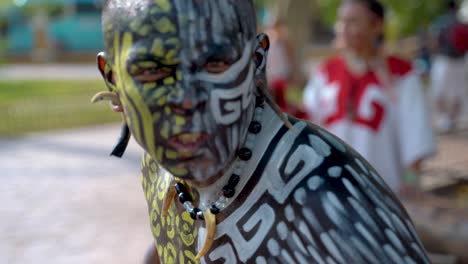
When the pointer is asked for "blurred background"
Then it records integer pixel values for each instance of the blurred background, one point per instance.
(64, 200)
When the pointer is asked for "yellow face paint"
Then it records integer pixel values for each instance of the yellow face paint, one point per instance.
(158, 48)
(171, 154)
(164, 26)
(169, 81)
(164, 6)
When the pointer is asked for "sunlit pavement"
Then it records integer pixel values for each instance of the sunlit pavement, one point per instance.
(49, 72)
(64, 200)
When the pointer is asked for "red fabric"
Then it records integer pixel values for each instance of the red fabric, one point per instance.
(459, 37)
(353, 87)
(399, 67)
(278, 89)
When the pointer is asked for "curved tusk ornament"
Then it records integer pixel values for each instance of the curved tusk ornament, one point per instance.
(170, 196)
(106, 96)
(210, 224)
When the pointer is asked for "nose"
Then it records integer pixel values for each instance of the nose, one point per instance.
(187, 100)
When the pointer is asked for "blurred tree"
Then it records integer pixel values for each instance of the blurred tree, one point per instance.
(405, 17)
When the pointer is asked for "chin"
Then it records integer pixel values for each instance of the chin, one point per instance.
(199, 171)
(202, 175)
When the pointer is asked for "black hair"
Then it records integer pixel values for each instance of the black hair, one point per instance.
(375, 6)
(452, 4)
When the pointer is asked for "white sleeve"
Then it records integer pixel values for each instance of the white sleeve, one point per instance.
(311, 99)
(415, 131)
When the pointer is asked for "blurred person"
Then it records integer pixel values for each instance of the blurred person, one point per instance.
(449, 73)
(282, 72)
(373, 101)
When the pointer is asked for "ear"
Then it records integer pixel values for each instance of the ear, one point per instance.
(261, 53)
(106, 71)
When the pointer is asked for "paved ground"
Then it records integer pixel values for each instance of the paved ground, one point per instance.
(49, 72)
(64, 200)
(451, 160)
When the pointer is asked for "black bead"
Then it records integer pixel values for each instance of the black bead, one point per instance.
(185, 197)
(180, 188)
(200, 215)
(194, 212)
(255, 127)
(234, 180)
(214, 210)
(244, 154)
(229, 192)
(259, 101)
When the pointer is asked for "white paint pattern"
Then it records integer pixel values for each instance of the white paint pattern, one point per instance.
(315, 182)
(300, 196)
(289, 213)
(298, 243)
(273, 247)
(287, 257)
(315, 255)
(304, 229)
(332, 248)
(282, 230)
(335, 172)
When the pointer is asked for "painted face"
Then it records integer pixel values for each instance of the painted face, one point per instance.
(184, 72)
(356, 27)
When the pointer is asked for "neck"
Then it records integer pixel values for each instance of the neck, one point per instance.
(361, 62)
(210, 193)
(367, 54)
(214, 179)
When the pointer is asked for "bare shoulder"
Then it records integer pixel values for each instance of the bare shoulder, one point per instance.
(339, 203)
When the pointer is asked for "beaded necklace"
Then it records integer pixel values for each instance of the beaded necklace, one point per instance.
(244, 154)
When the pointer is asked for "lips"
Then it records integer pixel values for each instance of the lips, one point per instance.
(187, 144)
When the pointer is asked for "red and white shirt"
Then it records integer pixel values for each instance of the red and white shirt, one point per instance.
(386, 120)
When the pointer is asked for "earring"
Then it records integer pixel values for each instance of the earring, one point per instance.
(122, 142)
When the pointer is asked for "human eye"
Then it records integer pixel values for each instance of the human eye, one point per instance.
(150, 72)
(217, 65)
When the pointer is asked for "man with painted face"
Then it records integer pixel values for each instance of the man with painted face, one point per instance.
(227, 178)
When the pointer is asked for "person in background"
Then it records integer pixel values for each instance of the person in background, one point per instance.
(449, 74)
(373, 101)
(281, 69)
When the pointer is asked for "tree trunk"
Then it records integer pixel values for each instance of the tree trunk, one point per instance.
(298, 16)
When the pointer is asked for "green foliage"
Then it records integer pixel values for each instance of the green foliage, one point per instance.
(408, 17)
(328, 10)
(28, 106)
(259, 3)
(404, 17)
